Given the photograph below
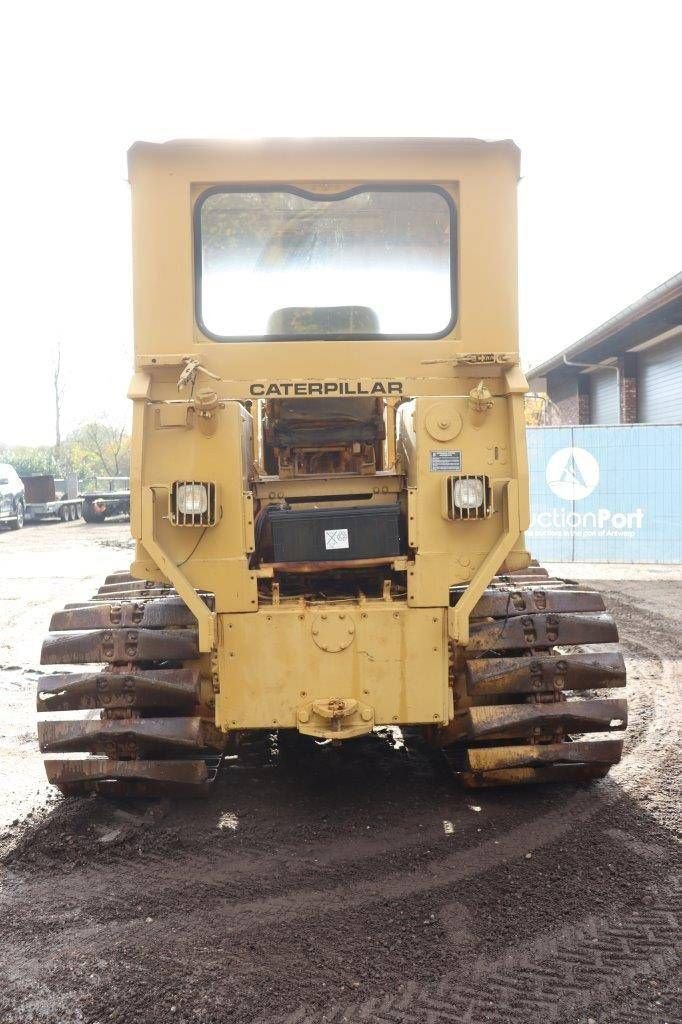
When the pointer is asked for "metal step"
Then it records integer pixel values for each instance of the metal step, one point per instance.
(544, 672)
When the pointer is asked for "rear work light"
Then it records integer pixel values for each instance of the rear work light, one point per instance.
(467, 497)
(193, 503)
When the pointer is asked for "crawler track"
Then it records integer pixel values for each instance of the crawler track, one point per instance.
(145, 720)
(142, 722)
(520, 701)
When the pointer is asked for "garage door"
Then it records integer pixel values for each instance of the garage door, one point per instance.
(604, 401)
(660, 384)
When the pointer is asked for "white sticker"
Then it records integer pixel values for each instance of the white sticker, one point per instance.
(335, 539)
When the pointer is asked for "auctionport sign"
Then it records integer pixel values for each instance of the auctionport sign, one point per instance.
(606, 494)
(572, 473)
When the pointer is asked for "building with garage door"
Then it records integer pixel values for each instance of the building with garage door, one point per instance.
(629, 370)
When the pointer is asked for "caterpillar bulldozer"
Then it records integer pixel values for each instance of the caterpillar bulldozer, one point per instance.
(329, 482)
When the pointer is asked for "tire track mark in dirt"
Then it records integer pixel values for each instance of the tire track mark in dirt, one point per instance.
(554, 978)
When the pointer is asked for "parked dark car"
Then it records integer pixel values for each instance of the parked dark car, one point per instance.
(12, 498)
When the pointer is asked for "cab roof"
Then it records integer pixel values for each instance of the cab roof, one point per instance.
(278, 158)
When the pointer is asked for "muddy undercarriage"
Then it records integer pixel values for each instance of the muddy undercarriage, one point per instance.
(521, 690)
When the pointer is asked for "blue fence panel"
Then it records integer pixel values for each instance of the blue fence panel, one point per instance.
(606, 494)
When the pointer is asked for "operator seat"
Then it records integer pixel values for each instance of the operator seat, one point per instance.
(293, 422)
(323, 321)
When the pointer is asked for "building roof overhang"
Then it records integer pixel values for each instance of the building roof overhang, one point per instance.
(654, 314)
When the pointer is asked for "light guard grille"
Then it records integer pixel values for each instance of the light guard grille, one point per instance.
(482, 511)
(206, 518)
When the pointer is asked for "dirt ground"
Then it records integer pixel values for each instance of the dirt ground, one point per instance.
(359, 885)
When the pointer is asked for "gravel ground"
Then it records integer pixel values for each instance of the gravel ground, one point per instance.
(359, 885)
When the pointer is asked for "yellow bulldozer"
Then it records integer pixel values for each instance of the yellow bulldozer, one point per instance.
(329, 482)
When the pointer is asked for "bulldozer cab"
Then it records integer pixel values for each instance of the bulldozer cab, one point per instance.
(343, 296)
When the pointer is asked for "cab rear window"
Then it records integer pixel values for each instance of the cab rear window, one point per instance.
(369, 263)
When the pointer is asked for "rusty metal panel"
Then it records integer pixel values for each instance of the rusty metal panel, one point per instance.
(119, 645)
(96, 734)
(544, 672)
(531, 572)
(581, 752)
(144, 688)
(65, 772)
(103, 615)
(542, 630)
(121, 576)
(148, 594)
(131, 586)
(504, 602)
(39, 488)
(561, 773)
(507, 721)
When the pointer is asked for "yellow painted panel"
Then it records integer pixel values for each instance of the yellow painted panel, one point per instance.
(212, 558)
(272, 662)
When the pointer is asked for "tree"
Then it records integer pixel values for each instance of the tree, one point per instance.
(540, 410)
(95, 449)
(31, 461)
(101, 448)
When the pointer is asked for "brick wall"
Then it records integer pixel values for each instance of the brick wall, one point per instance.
(627, 379)
(571, 396)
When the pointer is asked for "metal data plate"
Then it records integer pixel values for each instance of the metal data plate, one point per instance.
(446, 461)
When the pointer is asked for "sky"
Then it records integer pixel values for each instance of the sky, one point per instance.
(591, 92)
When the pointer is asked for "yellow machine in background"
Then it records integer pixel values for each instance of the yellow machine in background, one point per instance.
(329, 478)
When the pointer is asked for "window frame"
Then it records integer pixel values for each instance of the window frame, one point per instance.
(408, 186)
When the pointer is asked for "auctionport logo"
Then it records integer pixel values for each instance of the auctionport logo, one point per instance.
(572, 473)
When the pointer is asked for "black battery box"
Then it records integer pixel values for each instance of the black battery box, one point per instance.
(334, 534)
